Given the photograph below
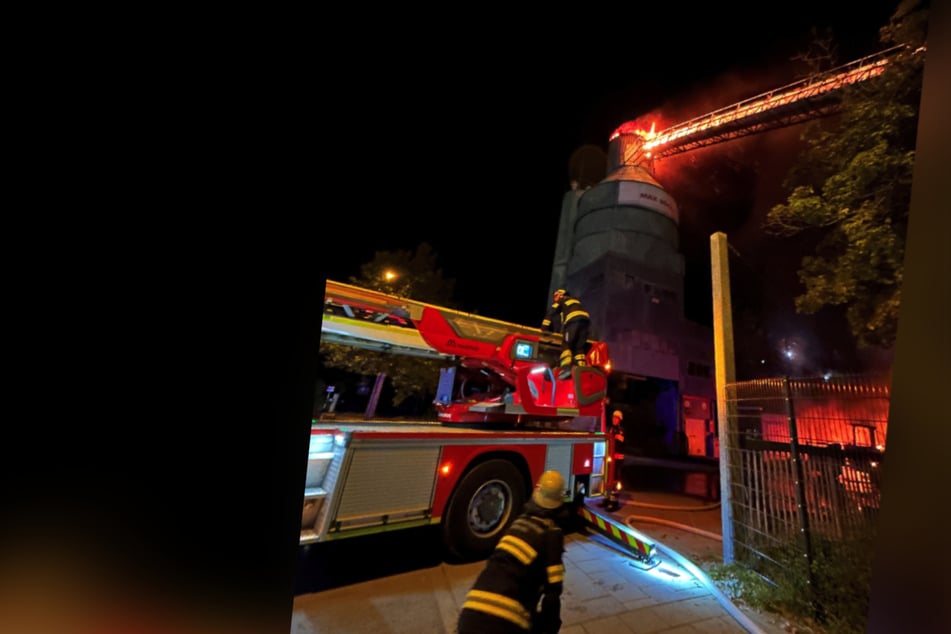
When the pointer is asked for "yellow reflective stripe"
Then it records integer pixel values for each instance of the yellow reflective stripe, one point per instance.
(639, 545)
(565, 354)
(498, 605)
(576, 313)
(518, 548)
(556, 574)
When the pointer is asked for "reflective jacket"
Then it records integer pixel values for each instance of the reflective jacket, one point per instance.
(526, 567)
(568, 309)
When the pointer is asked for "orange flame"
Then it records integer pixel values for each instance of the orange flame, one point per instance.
(633, 127)
(851, 73)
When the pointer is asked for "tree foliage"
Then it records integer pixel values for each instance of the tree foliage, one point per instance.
(414, 276)
(851, 188)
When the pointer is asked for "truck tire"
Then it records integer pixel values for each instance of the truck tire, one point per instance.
(486, 501)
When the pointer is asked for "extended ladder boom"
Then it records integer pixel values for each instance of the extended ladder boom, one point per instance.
(505, 372)
(379, 321)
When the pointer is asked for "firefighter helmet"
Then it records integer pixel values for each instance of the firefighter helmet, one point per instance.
(558, 294)
(618, 414)
(550, 490)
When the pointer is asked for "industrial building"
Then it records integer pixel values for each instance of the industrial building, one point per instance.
(618, 249)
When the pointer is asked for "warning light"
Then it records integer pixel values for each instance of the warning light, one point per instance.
(445, 469)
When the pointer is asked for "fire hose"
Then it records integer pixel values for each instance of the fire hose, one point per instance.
(688, 565)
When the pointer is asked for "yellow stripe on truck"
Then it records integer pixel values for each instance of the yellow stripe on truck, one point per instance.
(618, 533)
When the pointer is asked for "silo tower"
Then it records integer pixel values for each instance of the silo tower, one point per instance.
(618, 249)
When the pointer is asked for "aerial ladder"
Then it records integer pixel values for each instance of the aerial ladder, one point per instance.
(503, 374)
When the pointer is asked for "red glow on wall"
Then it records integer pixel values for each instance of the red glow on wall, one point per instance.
(846, 422)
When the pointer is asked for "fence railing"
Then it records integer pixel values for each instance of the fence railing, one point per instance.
(805, 461)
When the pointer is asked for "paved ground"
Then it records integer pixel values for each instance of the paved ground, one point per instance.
(605, 590)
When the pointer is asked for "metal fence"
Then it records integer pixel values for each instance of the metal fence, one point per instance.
(804, 461)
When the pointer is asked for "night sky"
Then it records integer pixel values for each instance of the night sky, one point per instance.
(464, 136)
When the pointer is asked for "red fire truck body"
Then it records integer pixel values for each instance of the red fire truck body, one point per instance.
(366, 477)
(471, 470)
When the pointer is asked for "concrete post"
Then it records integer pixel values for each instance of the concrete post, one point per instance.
(725, 363)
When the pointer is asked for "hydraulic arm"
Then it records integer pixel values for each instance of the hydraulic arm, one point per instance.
(503, 372)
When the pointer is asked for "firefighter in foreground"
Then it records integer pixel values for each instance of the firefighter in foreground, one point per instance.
(519, 589)
(568, 316)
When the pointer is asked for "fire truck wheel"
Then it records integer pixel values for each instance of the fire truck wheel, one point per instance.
(485, 502)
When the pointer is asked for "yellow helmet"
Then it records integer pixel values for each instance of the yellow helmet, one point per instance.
(618, 414)
(558, 293)
(550, 490)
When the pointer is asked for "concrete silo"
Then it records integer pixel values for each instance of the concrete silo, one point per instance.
(618, 249)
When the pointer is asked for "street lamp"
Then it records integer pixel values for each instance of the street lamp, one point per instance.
(389, 275)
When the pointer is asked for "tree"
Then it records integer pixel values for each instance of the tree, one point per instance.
(413, 275)
(851, 188)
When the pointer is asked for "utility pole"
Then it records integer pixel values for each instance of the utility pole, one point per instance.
(725, 362)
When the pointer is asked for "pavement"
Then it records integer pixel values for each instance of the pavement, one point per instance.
(605, 589)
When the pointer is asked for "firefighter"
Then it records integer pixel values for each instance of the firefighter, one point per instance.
(568, 316)
(617, 430)
(611, 499)
(519, 589)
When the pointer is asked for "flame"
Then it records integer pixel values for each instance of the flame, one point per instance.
(634, 127)
(803, 89)
(647, 135)
(851, 73)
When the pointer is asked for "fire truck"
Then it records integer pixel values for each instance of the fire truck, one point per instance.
(503, 417)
